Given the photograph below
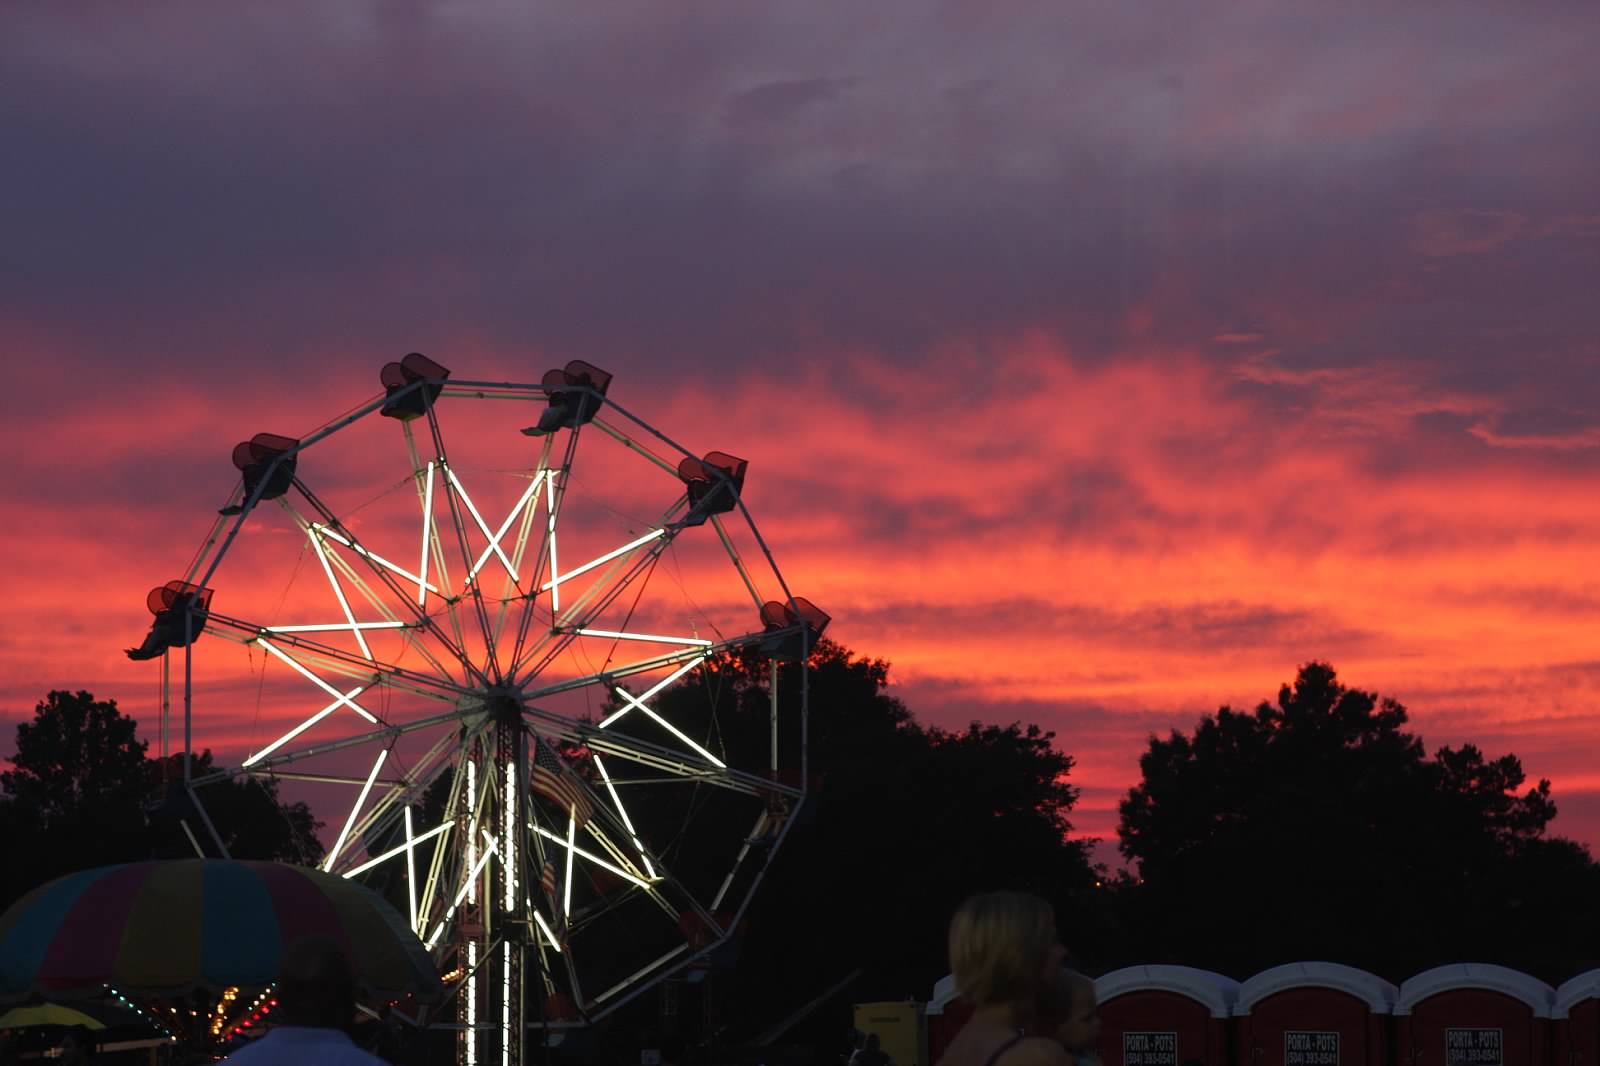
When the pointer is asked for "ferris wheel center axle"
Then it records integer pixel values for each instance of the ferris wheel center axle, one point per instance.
(504, 704)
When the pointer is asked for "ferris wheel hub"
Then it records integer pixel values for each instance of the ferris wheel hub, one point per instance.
(504, 704)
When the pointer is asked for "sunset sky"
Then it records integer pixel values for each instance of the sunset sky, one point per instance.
(1097, 364)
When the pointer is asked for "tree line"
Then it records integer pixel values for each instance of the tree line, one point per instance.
(1315, 826)
(83, 791)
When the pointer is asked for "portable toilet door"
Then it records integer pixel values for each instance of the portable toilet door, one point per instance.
(945, 1015)
(1577, 1021)
(1314, 1014)
(1473, 1014)
(1164, 1016)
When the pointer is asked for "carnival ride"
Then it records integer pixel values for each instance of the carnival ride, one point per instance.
(557, 769)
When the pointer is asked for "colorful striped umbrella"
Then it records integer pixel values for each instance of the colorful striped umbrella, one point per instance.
(161, 928)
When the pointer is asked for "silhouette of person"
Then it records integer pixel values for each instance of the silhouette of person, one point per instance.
(1003, 951)
(316, 1002)
(1068, 1011)
(869, 1053)
(77, 1046)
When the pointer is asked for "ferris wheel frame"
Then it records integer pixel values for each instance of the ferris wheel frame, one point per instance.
(492, 714)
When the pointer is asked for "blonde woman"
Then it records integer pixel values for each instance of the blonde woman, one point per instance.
(1069, 1011)
(1003, 952)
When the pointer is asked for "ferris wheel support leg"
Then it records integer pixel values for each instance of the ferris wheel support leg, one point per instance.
(744, 851)
(750, 893)
(773, 691)
(188, 696)
(166, 708)
(199, 852)
(206, 818)
(805, 711)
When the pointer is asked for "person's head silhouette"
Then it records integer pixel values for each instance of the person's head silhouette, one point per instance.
(316, 988)
(77, 1045)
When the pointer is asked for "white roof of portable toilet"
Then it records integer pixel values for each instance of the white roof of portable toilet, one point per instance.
(1514, 983)
(1212, 989)
(944, 990)
(1379, 995)
(1571, 993)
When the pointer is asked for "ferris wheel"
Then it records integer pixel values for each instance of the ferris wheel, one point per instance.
(549, 697)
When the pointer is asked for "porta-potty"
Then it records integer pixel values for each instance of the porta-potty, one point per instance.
(1577, 1021)
(1164, 1016)
(1473, 1014)
(899, 1027)
(1313, 1014)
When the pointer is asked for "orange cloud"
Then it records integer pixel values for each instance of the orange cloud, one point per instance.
(1110, 548)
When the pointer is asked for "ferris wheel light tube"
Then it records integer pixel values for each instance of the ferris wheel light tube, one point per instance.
(690, 665)
(545, 929)
(392, 852)
(550, 510)
(472, 826)
(606, 558)
(373, 556)
(478, 518)
(494, 541)
(338, 591)
(572, 848)
(314, 679)
(582, 854)
(634, 833)
(328, 627)
(303, 726)
(488, 853)
(669, 727)
(411, 870)
(427, 527)
(510, 863)
(692, 642)
(361, 801)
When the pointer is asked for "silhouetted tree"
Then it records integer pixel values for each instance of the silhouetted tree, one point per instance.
(247, 813)
(908, 820)
(81, 793)
(75, 791)
(78, 753)
(1317, 827)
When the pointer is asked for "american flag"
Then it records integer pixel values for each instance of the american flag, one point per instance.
(550, 882)
(555, 782)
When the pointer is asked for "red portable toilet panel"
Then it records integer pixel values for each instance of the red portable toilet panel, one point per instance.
(1577, 1021)
(943, 1026)
(1155, 1028)
(1164, 1016)
(1578, 1036)
(1471, 1014)
(1314, 1014)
